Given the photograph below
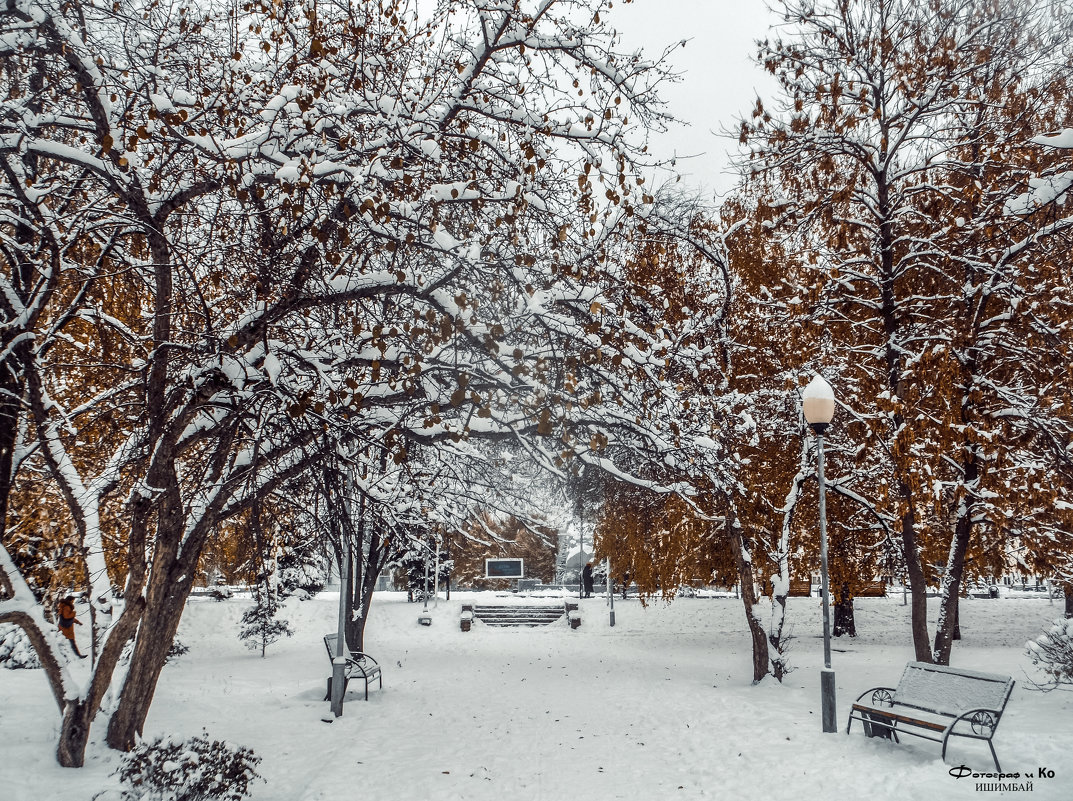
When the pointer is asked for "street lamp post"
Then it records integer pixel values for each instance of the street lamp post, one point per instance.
(339, 660)
(818, 406)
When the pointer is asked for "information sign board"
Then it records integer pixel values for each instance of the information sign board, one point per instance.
(504, 568)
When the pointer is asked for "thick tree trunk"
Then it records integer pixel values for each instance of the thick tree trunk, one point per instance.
(357, 598)
(844, 623)
(892, 329)
(1069, 601)
(170, 580)
(955, 566)
(74, 734)
(918, 610)
(944, 633)
(156, 632)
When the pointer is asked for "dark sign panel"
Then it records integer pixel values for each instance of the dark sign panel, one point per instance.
(503, 568)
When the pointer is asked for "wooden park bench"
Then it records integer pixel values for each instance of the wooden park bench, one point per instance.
(358, 665)
(800, 588)
(873, 589)
(936, 703)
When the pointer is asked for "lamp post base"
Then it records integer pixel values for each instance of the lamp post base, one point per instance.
(827, 699)
(338, 684)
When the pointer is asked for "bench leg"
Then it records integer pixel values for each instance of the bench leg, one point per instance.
(379, 676)
(876, 726)
(994, 756)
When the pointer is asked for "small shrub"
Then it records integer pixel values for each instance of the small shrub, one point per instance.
(220, 592)
(1052, 653)
(16, 651)
(175, 650)
(260, 626)
(169, 769)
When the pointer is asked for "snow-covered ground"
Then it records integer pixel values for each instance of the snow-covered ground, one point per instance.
(660, 706)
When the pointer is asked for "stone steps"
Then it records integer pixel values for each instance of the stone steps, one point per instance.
(516, 615)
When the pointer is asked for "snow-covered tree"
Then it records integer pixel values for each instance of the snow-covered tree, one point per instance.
(260, 625)
(886, 167)
(493, 536)
(309, 241)
(1045, 205)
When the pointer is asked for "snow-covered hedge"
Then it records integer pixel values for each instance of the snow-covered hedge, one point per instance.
(170, 769)
(1052, 653)
(15, 649)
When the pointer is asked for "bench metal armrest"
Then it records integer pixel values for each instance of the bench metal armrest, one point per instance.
(360, 661)
(889, 690)
(361, 656)
(983, 722)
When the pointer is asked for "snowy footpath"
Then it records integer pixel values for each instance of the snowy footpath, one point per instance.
(658, 707)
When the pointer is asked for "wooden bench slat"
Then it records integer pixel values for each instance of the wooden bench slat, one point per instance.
(889, 713)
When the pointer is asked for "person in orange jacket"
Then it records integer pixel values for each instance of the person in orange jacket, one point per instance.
(66, 609)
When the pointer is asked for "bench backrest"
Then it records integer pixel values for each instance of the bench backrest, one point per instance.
(330, 641)
(951, 691)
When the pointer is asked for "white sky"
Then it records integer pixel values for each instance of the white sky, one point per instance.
(719, 82)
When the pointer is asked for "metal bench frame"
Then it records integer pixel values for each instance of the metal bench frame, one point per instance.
(885, 715)
(358, 664)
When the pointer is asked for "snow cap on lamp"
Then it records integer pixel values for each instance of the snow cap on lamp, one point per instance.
(818, 403)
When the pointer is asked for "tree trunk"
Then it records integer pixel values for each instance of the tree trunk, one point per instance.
(918, 592)
(155, 636)
(844, 623)
(74, 734)
(761, 663)
(356, 577)
(170, 581)
(955, 567)
(892, 328)
(10, 391)
(779, 667)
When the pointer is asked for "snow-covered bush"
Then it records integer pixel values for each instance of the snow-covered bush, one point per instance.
(169, 769)
(15, 649)
(220, 592)
(175, 650)
(1052, 653)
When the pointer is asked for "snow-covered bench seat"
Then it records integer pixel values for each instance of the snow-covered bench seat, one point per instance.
(936, 703)
(358, 665)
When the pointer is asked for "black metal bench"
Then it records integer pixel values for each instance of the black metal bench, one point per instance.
(358, 665)
(936, 703)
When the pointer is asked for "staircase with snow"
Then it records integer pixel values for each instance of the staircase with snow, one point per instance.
(516, 614)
